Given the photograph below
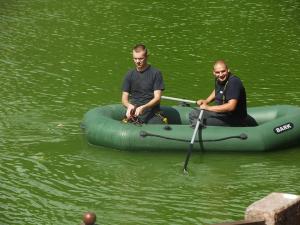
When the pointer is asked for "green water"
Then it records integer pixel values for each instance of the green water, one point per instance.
(58, 59)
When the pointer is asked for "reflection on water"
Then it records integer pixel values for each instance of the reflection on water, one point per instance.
(58, 59)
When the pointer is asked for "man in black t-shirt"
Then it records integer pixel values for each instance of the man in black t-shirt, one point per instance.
(142, 89)
(229, 95)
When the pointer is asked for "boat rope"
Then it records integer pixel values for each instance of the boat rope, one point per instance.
(242, 136)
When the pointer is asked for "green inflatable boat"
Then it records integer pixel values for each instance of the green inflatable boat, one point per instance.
(278, 127)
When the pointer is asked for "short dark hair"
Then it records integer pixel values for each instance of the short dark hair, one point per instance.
(140, 47)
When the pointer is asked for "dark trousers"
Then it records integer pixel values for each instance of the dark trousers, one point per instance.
(210, 118)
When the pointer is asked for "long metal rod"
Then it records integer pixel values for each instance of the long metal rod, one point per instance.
(192, 142)
(179, 99)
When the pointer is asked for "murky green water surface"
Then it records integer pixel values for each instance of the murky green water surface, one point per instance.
(58, 59)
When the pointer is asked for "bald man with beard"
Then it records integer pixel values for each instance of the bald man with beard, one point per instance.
(229, 96)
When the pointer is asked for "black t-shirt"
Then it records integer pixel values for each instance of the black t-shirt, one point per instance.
(141, 85)
(232, 89)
